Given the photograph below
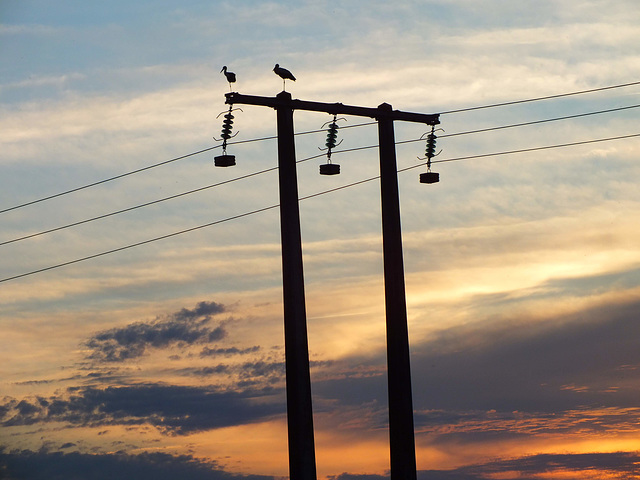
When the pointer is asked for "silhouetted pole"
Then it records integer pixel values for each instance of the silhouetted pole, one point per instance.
(401, 434)
(299, 408)
(302, 460)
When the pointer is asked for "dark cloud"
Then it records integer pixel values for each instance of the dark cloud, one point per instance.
(572, 375)
(352, 476)
(220, 369)
(469, 426)
(202, 309)
(182, 328)
(33, 382)
(623, 465)
(172, 409)
(244, 375)
(620, 465)
(27, 465)
(227, 352)
(44, 465)
(262, 369)
(560, 363)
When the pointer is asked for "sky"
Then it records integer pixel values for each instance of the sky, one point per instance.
(165, 359)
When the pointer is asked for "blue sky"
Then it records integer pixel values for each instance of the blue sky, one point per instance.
(522, 270)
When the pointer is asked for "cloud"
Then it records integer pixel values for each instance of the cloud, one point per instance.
(185, 327)
(256, 373)
(202, 309)
(471, 426)
(581, 466)
(618, 465)
(173, 409)
(45, 465)
(161, 466)
(227, 352)
(526, 364)
(556, 375)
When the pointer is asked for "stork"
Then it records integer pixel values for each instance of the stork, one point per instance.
(231, 77)
(284, 74)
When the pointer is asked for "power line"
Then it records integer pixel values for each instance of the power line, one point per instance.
(532, 149)
(135, 207)
(159, 164)
(515, 102)
(100, 182)
(324, 192)
(137, 244)
(172, 197)
(536, 122)
(99, 217)
(182, 157)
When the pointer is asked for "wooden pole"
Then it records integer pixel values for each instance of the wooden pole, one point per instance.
(401, 433)
(302, 462)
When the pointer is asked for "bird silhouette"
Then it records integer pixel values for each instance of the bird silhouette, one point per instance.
(231, 77)
(284, 74)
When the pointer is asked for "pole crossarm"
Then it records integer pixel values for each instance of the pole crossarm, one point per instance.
(284, 100)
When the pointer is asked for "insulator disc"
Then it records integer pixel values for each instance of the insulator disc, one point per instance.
(224, 161)
(329, 169)
(429, 177)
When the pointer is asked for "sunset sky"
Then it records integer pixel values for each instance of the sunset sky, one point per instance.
(130, 352)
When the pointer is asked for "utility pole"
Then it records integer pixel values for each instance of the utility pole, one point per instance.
(302, 461)
(299, 409)
(401, 434)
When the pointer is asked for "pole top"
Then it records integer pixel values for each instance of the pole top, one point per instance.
(284, 96)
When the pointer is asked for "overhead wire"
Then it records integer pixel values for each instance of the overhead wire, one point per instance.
(99, 217)
(536, 99)
(124, 210)
(524, 150)
(155, 165)
(324, 192)
(106, 180)
(182, 157)
(537, 122)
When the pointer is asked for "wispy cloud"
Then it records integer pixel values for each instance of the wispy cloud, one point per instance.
(170, 408)
(618, 465)
(185, 327)
(45, 465)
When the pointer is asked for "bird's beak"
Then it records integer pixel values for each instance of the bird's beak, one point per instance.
(222, 70)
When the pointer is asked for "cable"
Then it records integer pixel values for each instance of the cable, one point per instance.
(524, 124)
(81, 222)
(533, 149)
(303, 160)
(100, 182)
(618, 109)
(144, 242)
(501, 127)
(149, 167)
(503, 104)
(171, 197)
